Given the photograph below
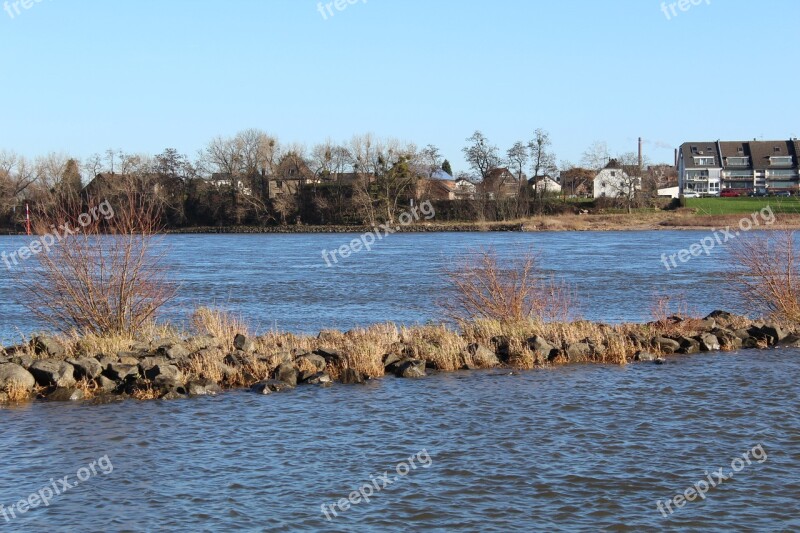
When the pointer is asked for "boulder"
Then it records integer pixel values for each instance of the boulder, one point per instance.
(11, 373)
(49, 346)
(240, 342)
(66, 394)
(727, 338)
(707, 324)
(791, 341)
(286, 373)
(410, 368)
(269, 386)
(86, 367)
(167, 384)
(775, 331)
(644, 356)
(666, 345)
(202, 387)
(171, 372)
(330, 356)
(708, 342)
(50, 373)
(129, 360)
(540, 347)
(482, 357)
(351, 376)
(502, 348)
(578, 352)
(173, 351)
(390, 359)
(317, 361)
(121, 371)
(688, 345)
(22, 360)
(320, 378)
(750, 342)
(105, 384)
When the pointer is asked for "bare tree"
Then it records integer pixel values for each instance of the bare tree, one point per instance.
(482, 156)
(596, 156)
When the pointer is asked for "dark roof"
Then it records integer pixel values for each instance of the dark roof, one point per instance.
(759, 152)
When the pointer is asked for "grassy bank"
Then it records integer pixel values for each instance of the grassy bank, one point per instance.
(743, 205)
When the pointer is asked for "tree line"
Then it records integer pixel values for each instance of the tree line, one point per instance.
(252, 179)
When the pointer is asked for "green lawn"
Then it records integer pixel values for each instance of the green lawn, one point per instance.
(727, 206)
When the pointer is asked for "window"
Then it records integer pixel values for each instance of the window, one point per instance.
(781, 161)
(740, 150)
(704, 161)
(613, 173)
(738, 161)
(776, 149)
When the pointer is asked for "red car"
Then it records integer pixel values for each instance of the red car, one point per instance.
(731, 193)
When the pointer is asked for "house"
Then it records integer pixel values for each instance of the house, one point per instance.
(436, 189)
(500, 183)
(614, 182)
(577, 181)
(669, 192)
(465, 189)
(709, 167)
(292, 173)
(224, 179)
(545, 185)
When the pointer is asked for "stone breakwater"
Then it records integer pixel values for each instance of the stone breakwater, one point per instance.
(170, 368)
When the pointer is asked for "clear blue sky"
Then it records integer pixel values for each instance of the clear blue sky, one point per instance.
(81, 76)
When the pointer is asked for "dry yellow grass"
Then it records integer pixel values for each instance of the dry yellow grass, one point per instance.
(17, 392)
(221, 325)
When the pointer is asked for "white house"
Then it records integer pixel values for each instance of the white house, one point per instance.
(614, 182)
(547, 185)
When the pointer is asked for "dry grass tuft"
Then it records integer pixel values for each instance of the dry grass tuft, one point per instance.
(17, 392)
(219, 324)
(440, 346)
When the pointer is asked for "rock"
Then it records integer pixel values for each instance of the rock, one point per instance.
(319, 378)
(578, 352)
(750, 342)
(202, 387)
(269, 386)
(317, 361)
(171, 372)
(351, 376)
(50, 373)
(502, 349)
(708, 342)
(330, 356)
(49, 346)
(659, 360)
(790, 341)
(128, 360)
(173, 351)
(742, 333)
(167, 384)
(86, 367)
(644, 356)
(129, 355)
(23, 360)
(727, 338)
(286, 373)
(410, 368)
(11, 373)
(172, 395)
(66, 394)
(666, 345)
(638, 340)
(482, 357)
(121, 371)
(149, 362)
(707, 324)
(540, 347)
(240, 342)
(106, 360)
(775, 332)
(105, 384)
(390, 359)
(688, 345)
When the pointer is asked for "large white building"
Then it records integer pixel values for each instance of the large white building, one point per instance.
(711, 167)
(614, 182)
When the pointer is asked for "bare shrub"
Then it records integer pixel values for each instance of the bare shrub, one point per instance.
(673, 316)
(515, 290)
(103, 278)
(766, 274)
